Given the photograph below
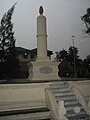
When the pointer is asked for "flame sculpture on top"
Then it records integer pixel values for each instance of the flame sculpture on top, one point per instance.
(41, 10)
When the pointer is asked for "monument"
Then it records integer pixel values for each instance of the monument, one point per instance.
(43, 68)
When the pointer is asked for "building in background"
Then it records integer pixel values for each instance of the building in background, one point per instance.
(25, 56)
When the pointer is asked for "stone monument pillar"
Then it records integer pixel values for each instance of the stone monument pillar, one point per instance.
(41, 36)
(42, 68)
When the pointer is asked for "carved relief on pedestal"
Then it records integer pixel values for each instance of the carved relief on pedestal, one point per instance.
(45, 70)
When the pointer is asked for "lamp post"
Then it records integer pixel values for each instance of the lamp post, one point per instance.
(75, 73)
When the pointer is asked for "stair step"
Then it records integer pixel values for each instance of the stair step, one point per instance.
(71, 108)
(63, 90)
(59, 82)
(73, 105)
(81, 118)
(59, 85)
(32, 114)
(76, 115)
(71, 102)
(63, 93)
(67, 97)
(72, 111)
(23, 111)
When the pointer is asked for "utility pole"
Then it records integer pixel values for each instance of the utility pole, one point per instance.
(75, 73)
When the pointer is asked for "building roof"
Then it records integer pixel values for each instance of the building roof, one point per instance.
(21, 50)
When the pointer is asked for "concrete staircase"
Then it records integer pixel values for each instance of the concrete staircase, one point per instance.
(26, 114)
(74, 110)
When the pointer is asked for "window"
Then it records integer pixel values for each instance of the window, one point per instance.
(32, 56)
(25, 55)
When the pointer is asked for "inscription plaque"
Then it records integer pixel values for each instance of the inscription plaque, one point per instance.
(45, 70)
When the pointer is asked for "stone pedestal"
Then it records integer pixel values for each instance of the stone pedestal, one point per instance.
(43, 70)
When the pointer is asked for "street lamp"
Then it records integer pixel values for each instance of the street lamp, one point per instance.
(75, 73)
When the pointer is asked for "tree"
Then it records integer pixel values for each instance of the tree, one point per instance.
(75, 61)
(71, 52)
(86, 65)
(7, 39)
(61, 55)
(8, 59)
(86, 19)
(66, 67)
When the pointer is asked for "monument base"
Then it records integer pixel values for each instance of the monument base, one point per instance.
(43, 70)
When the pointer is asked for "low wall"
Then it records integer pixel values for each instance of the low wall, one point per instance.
(82, 92)
(51, 104)
(20, 96)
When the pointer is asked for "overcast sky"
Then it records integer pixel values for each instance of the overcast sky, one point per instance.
(63, 22)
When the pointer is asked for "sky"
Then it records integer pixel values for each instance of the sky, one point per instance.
(63, 22)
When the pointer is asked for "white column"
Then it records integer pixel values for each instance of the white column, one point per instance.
(41, 37)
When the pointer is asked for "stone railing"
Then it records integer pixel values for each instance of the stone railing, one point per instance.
(80, 90)
(51, 104)
(57, 110)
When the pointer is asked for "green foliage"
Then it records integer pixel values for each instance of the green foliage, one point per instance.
(86, 65)
(71, 52)
(7, 40)
(86, 19)
(62, 55)
(67, 55)
(8, 57)
(66, 67)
